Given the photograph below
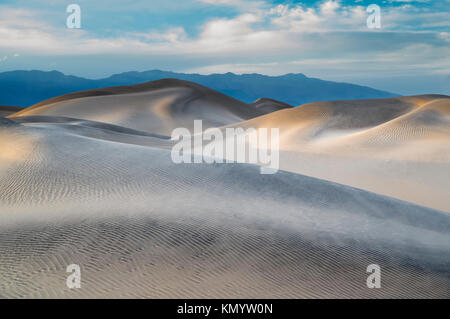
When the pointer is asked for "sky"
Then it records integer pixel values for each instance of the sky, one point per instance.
(327, 39)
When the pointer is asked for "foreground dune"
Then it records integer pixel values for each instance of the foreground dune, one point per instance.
(141, 226)
(88, 179)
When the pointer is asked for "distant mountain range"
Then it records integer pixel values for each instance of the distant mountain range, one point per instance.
(25, 88)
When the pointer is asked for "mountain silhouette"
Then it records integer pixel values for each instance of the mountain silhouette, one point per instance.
(25, 88)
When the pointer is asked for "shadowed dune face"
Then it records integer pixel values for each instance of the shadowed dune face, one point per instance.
(9, 110)
(157, 107)
(269, 105)
(88, 179)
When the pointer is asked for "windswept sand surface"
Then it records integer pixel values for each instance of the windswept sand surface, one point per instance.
(156, 107)
(89, 181)
(397, 147)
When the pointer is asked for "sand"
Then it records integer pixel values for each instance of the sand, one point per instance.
(398, 147)
(89, 181)
(9, 110)
(157, 107)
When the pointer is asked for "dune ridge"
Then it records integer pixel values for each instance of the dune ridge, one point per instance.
(397, 147)
(156, 107)
(88, 180)
(6, 110)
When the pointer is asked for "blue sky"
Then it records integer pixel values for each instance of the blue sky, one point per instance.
(328, 39)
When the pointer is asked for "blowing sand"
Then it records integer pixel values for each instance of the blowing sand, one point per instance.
(88, 180)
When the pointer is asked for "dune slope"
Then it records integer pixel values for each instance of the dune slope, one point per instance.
(88, 179)
(6, 110)
(157, 107)
(140, 226)
(398, 147)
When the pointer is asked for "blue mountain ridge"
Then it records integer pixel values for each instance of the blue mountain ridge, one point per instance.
(25, 88)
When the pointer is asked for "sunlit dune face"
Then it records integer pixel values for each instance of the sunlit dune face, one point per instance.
(14, 148)
(298, 125)
(420, 100)
(163, 107)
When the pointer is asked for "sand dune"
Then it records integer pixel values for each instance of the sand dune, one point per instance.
(141, 226)
(87, 179)
(9, 110)
(397, 147)
(269, 105)
(157, 107)
(327, 120)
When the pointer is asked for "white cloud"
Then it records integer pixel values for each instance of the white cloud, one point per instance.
(244, 5)
(275, 40)
(329, 17)
(238, 68)
(329, 7)
(173, 35)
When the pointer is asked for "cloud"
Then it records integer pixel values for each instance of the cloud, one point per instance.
(247, 5)
(328, 8)
(223, 2)
(268, 39)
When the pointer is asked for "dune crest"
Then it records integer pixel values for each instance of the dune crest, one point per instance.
(9, 110)
(398, 147)
(157, 107)
(88, 179)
